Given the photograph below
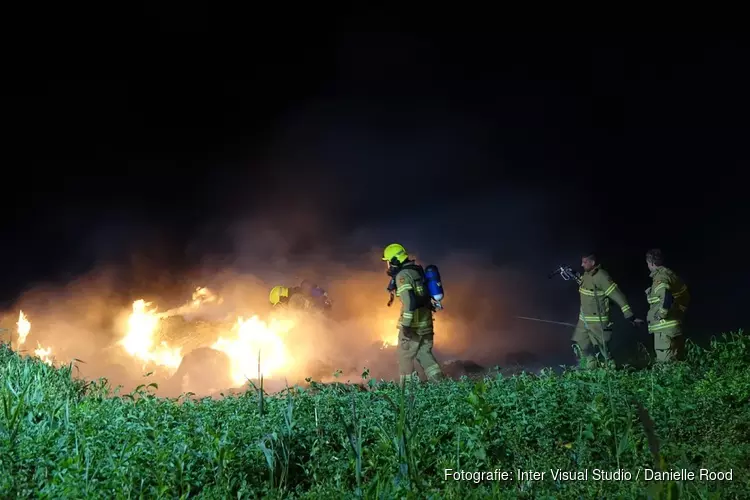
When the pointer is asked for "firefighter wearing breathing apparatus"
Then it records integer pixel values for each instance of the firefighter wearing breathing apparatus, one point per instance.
(594, 328)
(668, 300)
(305, 297)
(416, 334)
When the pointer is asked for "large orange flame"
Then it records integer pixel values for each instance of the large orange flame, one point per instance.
(255, 345)
(139, 340)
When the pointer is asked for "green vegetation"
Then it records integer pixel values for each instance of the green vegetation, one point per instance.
(65, 438)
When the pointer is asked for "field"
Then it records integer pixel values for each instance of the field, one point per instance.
(65, 438)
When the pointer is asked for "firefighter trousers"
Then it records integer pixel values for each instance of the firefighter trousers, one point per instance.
(414, 347)
(592, 337)
(669, 345)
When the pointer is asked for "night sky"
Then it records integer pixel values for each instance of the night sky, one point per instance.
(525, 149)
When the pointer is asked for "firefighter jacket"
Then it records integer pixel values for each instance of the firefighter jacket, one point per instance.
(597, 288)
(668, 299)
(416, 308)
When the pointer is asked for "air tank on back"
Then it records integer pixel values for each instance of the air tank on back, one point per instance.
(434, 284)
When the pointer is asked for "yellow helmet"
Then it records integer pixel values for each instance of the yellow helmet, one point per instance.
(395, 251)
(276, 293)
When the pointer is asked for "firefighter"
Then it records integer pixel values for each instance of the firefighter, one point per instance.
(305, 297)
(415, 326)
(594, 328)
(668, 299)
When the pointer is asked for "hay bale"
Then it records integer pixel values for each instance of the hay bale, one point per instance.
(176, 331)
(203, 371)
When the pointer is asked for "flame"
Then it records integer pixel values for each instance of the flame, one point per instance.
(43, 354)
(139, 340)
(254, 338)
(390, 341)
(24, 327)
(242, 344)
(389, 332)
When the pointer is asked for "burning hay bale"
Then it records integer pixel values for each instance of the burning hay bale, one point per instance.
(203, 371)
(190, 335)
(170, 346)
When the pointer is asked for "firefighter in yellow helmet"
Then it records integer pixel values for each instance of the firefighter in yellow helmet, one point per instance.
(415, 335)
(668, 300)
(305, 297)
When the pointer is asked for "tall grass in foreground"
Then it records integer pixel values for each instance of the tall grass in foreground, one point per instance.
(61, 437)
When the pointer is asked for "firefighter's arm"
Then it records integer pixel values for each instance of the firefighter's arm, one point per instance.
(662, 289)
(613, 292)
(405, 292)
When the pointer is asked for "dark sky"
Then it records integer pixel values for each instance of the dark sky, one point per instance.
(616, 143)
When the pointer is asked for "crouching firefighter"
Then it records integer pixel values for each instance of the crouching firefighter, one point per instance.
(594, 329)
(415, 337)
(306, 297)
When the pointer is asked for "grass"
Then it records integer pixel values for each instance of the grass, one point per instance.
(65, 438)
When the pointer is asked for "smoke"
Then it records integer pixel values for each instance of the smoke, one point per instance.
(86, 318)
(79, 320)
(494, 258)
(339, 188)
(493, 255)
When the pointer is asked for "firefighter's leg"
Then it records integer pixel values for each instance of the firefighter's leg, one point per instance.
(582, 344)
(601, 334)
(669, 345)
(427, 359)
(408, 347)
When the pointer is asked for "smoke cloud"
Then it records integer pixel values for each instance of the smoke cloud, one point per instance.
(485, 290)
(326, 210)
